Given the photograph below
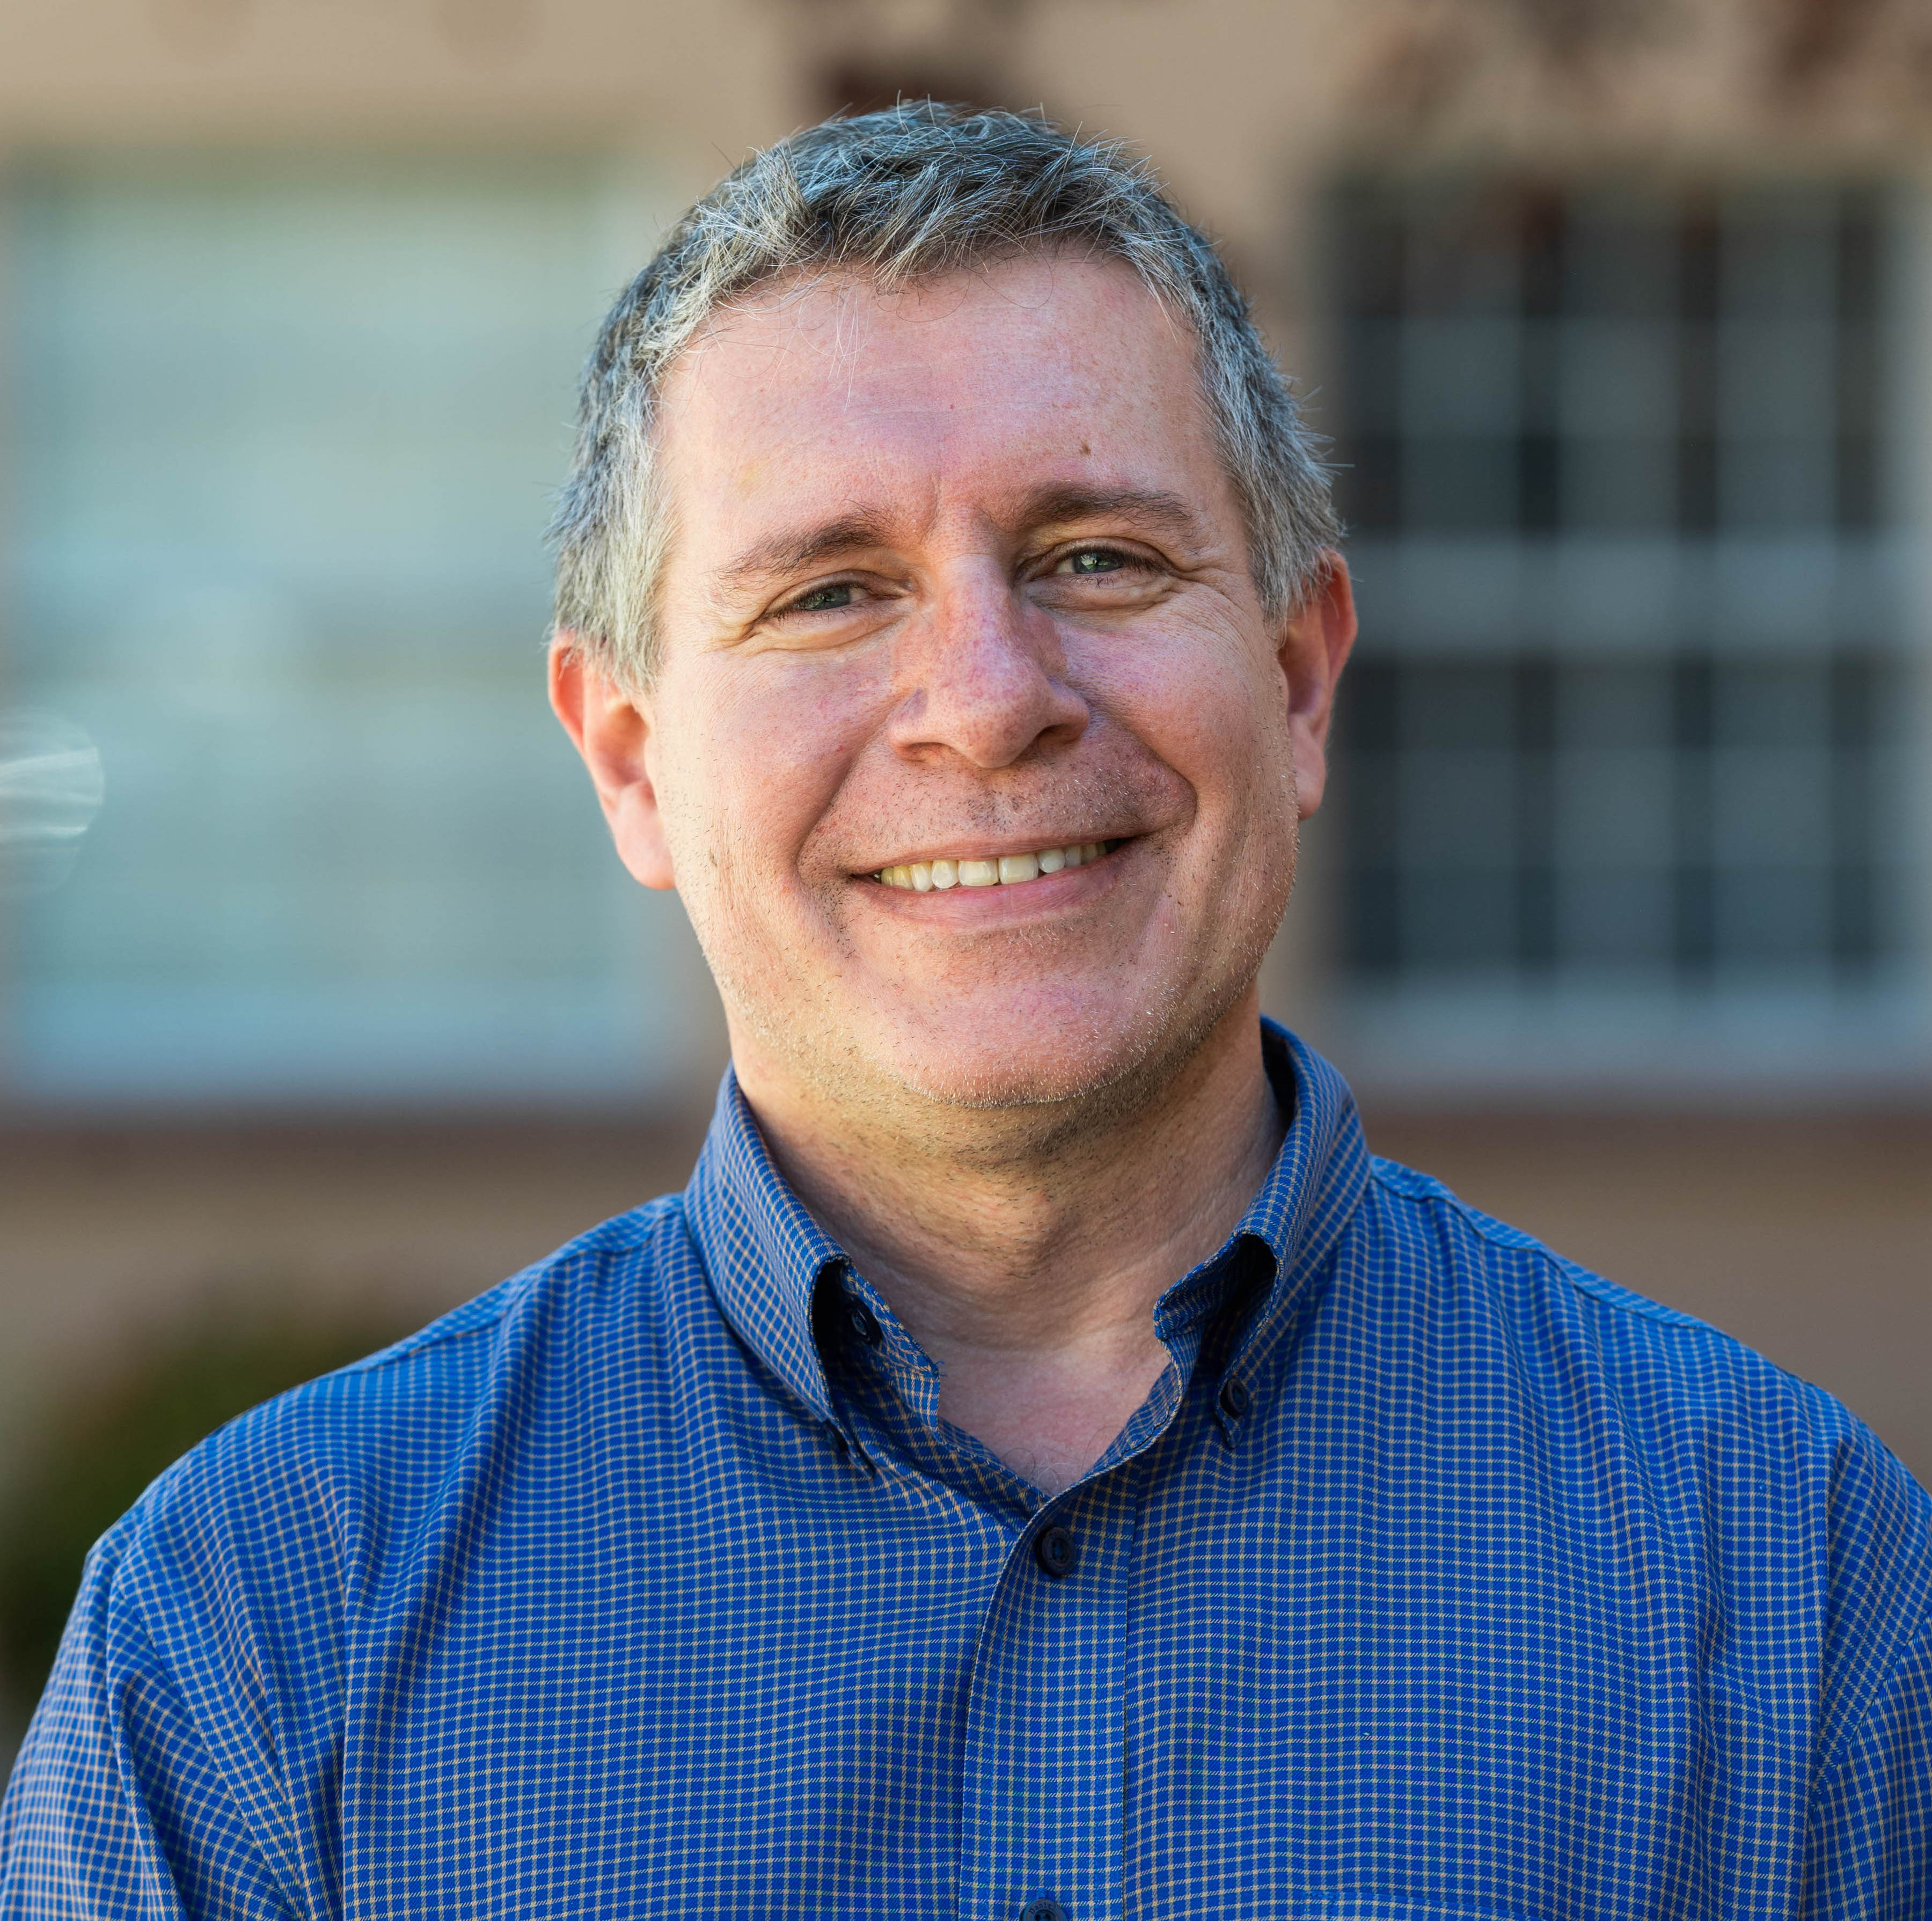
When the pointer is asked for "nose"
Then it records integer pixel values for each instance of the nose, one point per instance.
(979, 675)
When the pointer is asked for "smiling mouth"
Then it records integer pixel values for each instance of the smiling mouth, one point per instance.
(1008, 871)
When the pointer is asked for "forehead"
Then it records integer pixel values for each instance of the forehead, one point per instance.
(955, 393)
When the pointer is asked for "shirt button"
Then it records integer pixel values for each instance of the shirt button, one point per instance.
(862, 1324)
(1234, 1398)
(1053, 1548)
(1045, 1909)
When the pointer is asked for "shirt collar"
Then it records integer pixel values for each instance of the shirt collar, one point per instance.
(765, 1255)
(763, 1251)
(1312, 1189)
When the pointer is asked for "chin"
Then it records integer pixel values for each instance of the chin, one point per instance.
(993, 1084)
(1080, 1058)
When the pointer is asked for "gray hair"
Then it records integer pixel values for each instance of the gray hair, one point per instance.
(919, 191)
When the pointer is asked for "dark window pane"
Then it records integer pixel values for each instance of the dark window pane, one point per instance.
(1373, 929)
(1539, 457)
(1368, 483)
(1566, 379)
(1366, 707)
(1856, 935)
(1460, 921)
(1458, 704)
(1696, 483)
(1623, 486)
(1459, 485)
(1772, 916)
(1613, 918)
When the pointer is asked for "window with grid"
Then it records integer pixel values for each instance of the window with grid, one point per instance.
(1628, 711)
(282, 434)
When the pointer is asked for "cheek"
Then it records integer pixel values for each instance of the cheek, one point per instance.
(1203, 701)
(753, 771)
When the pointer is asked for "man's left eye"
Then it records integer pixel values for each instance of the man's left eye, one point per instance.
(832, 598)
(1091, 560)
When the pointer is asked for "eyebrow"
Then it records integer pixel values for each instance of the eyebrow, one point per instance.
(779, 555)
(1151, 507)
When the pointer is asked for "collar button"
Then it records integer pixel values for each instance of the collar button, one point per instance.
(1053, 1548)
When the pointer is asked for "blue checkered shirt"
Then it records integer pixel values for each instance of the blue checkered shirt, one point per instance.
(1436, 1577)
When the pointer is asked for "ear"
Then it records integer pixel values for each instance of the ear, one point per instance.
(610, 726)
(1314, 647)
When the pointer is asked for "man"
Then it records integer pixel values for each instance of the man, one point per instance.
(1040, 1467)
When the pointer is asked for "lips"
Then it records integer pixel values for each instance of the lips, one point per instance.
(1007, 870)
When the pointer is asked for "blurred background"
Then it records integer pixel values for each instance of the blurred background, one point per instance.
(323, 1004)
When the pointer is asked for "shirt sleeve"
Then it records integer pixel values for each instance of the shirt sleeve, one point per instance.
(1871, 1818)
(117, 1807)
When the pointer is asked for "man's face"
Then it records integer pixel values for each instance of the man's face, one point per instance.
(957, 584)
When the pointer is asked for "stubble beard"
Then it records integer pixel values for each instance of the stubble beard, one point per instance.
(989, 1117)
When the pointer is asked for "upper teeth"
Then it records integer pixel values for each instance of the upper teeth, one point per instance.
(923, 876)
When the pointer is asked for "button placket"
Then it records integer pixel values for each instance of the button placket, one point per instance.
(1043, 1768)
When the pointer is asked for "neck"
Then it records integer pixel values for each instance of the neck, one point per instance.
(1027, 1266)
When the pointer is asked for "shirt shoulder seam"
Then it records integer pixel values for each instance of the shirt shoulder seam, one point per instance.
(278, 1849)
(1411, 1186)
(1841, 1749)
